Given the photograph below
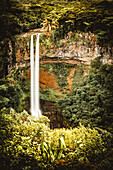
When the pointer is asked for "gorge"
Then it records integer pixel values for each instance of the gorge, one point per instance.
(56, 84)
(61, 67)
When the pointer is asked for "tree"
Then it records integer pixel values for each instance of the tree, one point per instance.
(92, 103)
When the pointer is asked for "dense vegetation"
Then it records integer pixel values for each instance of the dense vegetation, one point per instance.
(29, 143)
(17, 16)
(91, 103)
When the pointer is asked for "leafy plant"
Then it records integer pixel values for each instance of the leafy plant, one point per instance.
(91, 103)
(29, 143)
(49, 153)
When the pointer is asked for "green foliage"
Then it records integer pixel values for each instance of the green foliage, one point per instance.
(29, 143)
(92, 103)
(18, 77)
(48, 151)
(61, 72)
(22, 44)
(15, 90)
(20, 136)
(18, 16)
(79, 78)
(49, 95)
(9, 96)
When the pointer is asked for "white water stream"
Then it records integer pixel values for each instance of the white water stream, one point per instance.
(35, 105)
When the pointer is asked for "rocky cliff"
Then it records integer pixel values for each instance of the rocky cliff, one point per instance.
(74, 49)
(62, 65)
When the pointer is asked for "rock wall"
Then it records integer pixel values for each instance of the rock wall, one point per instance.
(77, 50)
(79, 47)
(47, 80)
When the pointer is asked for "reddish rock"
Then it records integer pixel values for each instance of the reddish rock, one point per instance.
(47, 80)
(18, 56)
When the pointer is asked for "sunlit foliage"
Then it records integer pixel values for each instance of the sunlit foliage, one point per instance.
(29, 143)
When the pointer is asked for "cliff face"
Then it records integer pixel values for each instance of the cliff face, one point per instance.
(75, 49)
(47, 80)
(62, 66)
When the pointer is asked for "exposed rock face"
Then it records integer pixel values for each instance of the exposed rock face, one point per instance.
(80, 51)
(47, 80)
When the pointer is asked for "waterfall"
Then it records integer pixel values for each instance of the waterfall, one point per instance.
(32, 76)
(35, 106)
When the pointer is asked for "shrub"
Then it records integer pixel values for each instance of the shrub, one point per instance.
(29, 143)
(20, 136)
(9, 96)
(92, 103)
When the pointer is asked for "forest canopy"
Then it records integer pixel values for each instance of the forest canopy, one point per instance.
(17, 16)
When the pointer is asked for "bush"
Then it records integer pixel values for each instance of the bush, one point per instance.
(20, 136)
(29, 143)
(9, 96)
(92, 103)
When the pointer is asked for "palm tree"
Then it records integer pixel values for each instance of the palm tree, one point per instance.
(50, 24)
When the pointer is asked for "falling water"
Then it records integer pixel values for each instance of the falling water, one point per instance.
(35, 106)
(96, 51)
(32, 75)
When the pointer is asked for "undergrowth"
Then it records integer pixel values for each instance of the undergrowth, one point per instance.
(29, 143)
